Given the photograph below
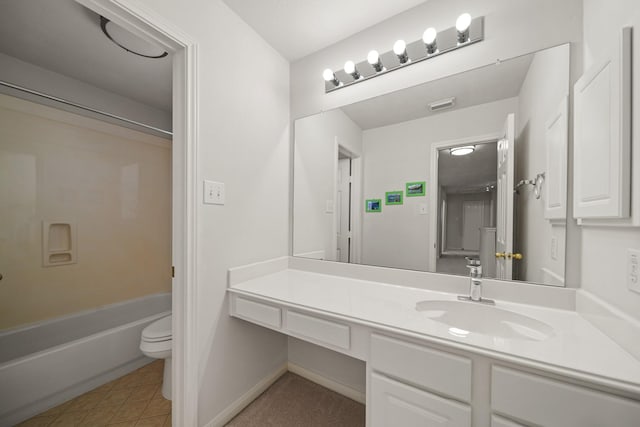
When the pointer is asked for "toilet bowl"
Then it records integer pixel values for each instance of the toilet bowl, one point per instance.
(156, 342)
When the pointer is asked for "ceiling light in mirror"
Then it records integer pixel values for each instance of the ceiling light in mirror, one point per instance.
(462, 151)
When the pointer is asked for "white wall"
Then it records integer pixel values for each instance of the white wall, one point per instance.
(396, 154)
(315, 161)
(36, 78)
(604, 250)
(542, 91)
(243, 133)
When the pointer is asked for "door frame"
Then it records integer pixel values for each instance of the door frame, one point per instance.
(355, 254)
(150, 25)
(433, 186)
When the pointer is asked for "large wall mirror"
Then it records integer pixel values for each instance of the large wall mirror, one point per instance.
(471, 166)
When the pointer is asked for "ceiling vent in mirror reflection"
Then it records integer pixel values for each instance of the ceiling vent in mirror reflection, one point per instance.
(442, 104)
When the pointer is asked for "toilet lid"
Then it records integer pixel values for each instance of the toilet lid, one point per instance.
(160, 330)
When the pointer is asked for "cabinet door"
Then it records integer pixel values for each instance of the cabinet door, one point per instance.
(396, 404)
(602, 137)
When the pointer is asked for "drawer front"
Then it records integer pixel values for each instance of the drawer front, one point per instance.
(396, 404)
(321, 330)
(444, 373)
(547, 402)
(258, 312)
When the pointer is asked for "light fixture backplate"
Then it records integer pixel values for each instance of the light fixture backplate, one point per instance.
(447, 41)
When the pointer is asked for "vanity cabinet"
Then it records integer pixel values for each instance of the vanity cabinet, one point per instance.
(397, 404)
(427, 388)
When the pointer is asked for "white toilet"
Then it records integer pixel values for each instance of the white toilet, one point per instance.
(156, 343)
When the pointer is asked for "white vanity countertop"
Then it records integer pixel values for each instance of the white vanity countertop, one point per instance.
(576, 348)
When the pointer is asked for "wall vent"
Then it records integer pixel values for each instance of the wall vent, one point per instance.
(442, 104)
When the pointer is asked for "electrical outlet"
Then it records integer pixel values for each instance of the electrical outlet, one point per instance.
(633, 269)
(554, 248)
(328, 206)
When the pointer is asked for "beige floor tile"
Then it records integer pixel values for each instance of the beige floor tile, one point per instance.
(86, 401)
(150, 378)
(124, 424)
(104, 387)
(152, 421)
(145, 392)
(38, 421)
(130, 411)
(168, 422)
(69, 419)
(128, 381)
(115, 397)
(157, 407)
(57, 410)
(100, 416)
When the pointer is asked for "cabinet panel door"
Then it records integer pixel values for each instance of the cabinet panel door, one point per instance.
(395, 404)
(551, 403)
(258, 312)
(602, 136)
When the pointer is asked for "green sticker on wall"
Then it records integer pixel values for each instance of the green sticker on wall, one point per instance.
(393, 198)
(415, 189)
(373, 205)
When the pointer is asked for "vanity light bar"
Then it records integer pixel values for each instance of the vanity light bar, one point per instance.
(467, 31)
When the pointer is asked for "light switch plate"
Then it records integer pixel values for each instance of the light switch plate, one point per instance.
(214, 193)
(422, 209)
(633, 269)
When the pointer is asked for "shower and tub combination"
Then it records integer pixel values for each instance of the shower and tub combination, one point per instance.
(47, 363)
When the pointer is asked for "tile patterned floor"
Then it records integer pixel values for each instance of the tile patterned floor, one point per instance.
(132, 400)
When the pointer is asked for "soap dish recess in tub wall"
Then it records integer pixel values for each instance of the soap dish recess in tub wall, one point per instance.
(59, 243)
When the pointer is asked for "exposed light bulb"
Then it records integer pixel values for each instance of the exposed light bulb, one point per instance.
(429, 39)
(463, 22)
(350, 68)
(462, 25)
(373, 58)
(429, 35)
(400, 49)
(329, 76)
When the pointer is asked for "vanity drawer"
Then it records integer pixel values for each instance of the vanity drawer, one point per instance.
(259, 312)
(320, 330)
(548, 402)
(397, 404)
(444, 373)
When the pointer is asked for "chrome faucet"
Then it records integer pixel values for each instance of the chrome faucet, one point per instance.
(475, 286)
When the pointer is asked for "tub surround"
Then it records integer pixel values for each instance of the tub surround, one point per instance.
(347, 311)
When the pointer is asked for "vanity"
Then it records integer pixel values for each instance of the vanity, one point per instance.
(432, 360)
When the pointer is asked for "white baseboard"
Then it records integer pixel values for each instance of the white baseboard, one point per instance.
(243, 401)
(342, 389)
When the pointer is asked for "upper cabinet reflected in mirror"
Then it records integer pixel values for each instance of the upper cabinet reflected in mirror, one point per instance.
(471, 166)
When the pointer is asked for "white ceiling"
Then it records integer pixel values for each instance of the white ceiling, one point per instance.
(471, 171)
(297, 28)
(65, 37)
(475, 87)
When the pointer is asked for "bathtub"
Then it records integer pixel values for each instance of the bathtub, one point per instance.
(45, 364)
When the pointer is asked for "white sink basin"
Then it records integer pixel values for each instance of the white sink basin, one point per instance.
(464, 318)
